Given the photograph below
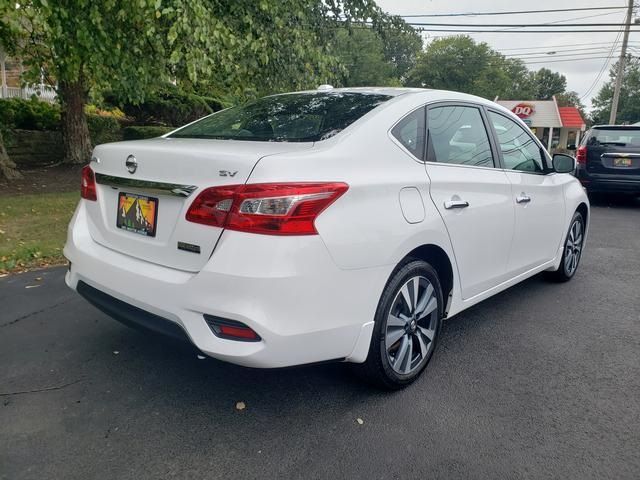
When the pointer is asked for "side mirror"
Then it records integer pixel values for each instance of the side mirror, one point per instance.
(563, 163)
(571, 146)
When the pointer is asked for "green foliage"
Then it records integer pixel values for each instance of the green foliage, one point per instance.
(30, 114)
(139, 133)
(104, 129)
(629, 103)
(168, 106)
(361, 53)
(546, 84)
(459, 63)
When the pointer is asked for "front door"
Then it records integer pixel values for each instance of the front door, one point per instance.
(471, 194)
(537, 195)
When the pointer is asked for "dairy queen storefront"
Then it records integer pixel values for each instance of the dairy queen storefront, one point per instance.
(557, 127)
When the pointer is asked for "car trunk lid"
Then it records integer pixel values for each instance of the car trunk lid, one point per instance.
(153, 198)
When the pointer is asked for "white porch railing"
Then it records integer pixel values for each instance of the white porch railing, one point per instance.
(43, 92)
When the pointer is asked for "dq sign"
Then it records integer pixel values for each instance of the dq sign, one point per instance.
(524, 110)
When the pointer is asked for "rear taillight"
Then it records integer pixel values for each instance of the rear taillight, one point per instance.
(88, 185)
(267, 208)
(581, 155)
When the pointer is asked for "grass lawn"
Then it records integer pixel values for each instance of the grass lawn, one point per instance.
(33, 229)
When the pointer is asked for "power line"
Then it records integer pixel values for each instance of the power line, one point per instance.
(567, 60)
(520, 31)
(554, 51)
(558, 46)
(474, 14)
(517, 25)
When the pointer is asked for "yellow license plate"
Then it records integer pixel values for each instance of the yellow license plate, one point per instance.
(137, 214)
(621, 162)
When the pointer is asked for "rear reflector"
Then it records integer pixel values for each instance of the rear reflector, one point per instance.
(581, 155)
(231, 329)
(266, 208)
(88, 185)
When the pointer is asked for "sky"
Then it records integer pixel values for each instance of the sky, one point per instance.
(581, 75)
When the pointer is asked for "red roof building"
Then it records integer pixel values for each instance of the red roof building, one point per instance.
(571, 118)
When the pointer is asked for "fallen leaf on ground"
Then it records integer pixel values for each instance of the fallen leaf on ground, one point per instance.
(240, 406)
(38, 279)
(360, 421)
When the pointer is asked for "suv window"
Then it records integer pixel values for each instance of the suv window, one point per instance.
(621, 137)
(298, 117)
(457, 135)
(519, 150)
(410, 133)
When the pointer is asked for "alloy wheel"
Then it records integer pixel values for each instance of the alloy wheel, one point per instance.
(573, 247)
(411, 325)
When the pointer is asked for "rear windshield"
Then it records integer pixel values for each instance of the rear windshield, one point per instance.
(298, 117)
(618, 136)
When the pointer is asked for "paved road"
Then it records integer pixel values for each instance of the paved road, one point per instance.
(542, 381)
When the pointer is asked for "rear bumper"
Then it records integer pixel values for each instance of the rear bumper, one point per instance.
(287, 289)
(608, 183)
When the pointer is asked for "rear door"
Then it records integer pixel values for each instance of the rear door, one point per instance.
(472, 196)
(614, 152)
(537, 196)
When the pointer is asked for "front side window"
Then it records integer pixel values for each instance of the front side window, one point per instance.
(457, 135)
(298, 117)
(519, 150)
(410, 133)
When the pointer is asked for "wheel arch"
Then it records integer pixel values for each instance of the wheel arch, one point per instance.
(440, 261)
(584, 211)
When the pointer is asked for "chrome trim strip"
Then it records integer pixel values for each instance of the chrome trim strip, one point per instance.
(150, 187)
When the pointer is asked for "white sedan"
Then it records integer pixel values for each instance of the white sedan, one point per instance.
(335, 224)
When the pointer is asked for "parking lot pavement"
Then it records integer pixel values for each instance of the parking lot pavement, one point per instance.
(542, 381)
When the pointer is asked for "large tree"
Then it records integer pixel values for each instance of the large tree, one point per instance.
(246, 46)
(629, 103)
(546, 84)
(8, 168)
(461, 64)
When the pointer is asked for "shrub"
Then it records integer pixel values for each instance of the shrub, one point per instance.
(168, 106)
(30, 114)
(104, 129)
(139, 133)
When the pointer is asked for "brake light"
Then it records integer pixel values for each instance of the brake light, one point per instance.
(581, 155)
(266, 208)
(88, 184)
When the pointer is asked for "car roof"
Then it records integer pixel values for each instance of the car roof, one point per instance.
(617, 127)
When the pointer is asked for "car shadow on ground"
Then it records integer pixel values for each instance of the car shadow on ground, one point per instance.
(614, 200)
(169, 372)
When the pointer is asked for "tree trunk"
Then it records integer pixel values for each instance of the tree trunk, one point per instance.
(8, 168)
(75, 132)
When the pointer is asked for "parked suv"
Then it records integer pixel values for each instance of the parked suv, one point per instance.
(609, 159)
(324, 225)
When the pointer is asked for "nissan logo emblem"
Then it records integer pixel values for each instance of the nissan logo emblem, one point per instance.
(131, 164)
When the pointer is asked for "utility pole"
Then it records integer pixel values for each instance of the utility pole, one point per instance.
(621, 62)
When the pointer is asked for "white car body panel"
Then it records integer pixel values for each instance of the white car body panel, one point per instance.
(313, 298)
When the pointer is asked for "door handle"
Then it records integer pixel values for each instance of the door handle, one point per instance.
(522, 198)
(455, 204)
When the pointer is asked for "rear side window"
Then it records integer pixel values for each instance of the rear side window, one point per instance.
(615, 136)
(519, 150)
(410, 132)
(298, 117)
(457, 135)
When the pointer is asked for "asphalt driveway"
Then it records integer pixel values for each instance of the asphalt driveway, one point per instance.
(542, 381)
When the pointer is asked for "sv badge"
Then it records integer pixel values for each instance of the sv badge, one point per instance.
(227, 173)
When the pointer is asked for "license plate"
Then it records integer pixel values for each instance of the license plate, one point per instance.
(137, 214)
(621, 162)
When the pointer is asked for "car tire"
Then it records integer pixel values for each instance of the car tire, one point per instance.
(399, 352)
(571, 252)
